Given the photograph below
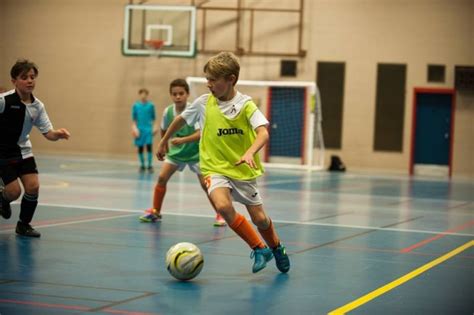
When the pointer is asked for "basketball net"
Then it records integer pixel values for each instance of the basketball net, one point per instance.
(154, 46)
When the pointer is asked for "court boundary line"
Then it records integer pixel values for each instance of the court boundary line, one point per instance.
(404, 221)
(195, 215)
(58, 284)
(333, 241)
(263, 183)
(67, 307)
(330, 216)
(55, 296)
(399, 281)
(395, 251)
(436, 237)
(72, 222)
(108, 307)
(461, 205)
(125, 159)
(354, 235)
(46, 305)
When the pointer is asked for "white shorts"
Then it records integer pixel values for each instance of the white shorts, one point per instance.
(193, 166)
(243, 191)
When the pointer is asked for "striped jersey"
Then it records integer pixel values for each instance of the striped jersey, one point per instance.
(16, 121)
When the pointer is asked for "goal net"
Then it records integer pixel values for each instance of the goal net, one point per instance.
(293, 109)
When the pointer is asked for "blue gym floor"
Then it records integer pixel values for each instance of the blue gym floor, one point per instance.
(358, 244)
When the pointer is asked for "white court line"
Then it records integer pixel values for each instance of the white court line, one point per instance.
(98, 172)
(72, 222)
(88, 158)
(284, 181)
(345, 192)
(363, 227)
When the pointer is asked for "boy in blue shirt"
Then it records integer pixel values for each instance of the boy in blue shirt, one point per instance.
(143, 130)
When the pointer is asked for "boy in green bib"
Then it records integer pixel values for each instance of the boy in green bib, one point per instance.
(184, 151)
(234, 131)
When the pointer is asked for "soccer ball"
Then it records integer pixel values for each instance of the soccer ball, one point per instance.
(184, 261)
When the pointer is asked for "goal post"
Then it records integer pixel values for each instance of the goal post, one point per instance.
(293, 109)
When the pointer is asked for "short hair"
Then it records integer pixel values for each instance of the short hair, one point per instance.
(143, 90)
(23, 66)
(179, 82)
(224, 64)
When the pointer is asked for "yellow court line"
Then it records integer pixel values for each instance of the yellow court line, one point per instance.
(377, 292)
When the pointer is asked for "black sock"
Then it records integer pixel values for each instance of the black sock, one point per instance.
(3, 200)
(28, 207)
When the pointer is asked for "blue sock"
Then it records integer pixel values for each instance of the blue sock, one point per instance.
(150, 158)
(142, 159)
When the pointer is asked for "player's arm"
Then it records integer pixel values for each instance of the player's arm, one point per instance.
(260, 141)
(155, 128)
(177, 124)
(191, 138)
(54, 135)
(2, 104)
(155, 123)
(164, 126)
(135, 131)
(44, 125)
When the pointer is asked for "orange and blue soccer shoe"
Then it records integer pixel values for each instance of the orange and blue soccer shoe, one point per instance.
(150, 216)
(261, 256)
(281, 258)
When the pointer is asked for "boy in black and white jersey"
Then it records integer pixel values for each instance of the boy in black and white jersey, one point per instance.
(19, 112)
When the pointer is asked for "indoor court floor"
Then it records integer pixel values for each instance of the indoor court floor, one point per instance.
(358, 244)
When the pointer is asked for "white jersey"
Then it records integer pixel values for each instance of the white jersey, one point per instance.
(16, 121)
(196, 111)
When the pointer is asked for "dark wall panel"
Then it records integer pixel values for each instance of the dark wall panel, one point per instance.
(330, 80)
(390, 107)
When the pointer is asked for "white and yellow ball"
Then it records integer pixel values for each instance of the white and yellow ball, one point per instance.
(184, 261)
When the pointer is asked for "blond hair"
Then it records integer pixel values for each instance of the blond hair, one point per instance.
(223, 65)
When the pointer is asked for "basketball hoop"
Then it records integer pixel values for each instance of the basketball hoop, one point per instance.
(154, 46)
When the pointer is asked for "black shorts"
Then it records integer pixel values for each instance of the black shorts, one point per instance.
(11, 171)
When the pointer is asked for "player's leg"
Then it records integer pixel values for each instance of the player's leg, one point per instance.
(167, 170)
(29, 203)
(28, 174)
(267, 230)
(141, 157)
(149, 152)
(219, 221)
(10, 189)
(220, 193)
(8, 193)
(222, 200)
(246, 192)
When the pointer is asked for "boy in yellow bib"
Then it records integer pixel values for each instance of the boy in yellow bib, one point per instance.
(234, 131)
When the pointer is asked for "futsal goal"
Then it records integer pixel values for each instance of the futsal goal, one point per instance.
(293, 109)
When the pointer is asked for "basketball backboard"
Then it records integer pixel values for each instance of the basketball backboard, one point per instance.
(175, 25)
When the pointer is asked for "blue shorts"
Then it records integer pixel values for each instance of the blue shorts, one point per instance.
(146, 137)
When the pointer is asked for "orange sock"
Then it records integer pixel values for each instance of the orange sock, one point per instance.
(270, 236)
(158, 197)
(245, 230)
